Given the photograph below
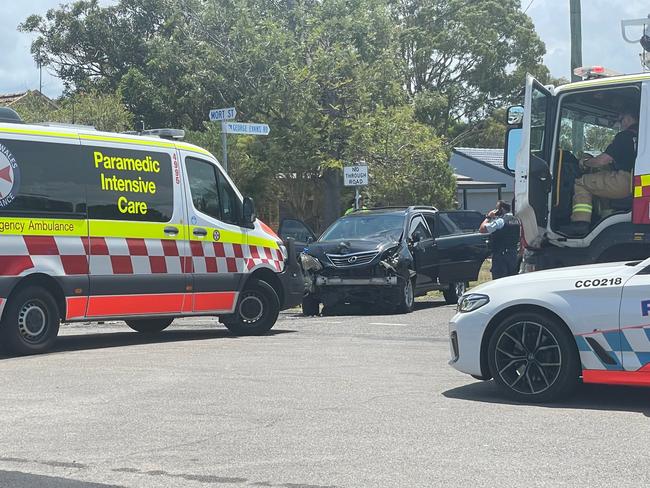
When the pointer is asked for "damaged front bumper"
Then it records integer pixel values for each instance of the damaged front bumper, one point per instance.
(371, 281)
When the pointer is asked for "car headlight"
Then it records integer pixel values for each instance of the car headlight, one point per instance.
(310, 263)
(471, 302)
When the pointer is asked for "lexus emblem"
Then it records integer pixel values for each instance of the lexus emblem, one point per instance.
(352, 259)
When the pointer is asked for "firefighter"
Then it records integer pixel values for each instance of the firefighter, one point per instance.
(613, 183)
(504, 230)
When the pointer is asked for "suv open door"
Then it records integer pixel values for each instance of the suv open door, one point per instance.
(532, 175)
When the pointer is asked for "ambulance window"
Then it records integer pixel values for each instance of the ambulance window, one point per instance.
(41, 179)
(127, 184)
(203, 186)
(230, 204)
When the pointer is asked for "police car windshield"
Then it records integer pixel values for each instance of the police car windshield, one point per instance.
(368, 226)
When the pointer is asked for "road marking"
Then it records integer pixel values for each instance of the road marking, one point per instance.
(383, 323)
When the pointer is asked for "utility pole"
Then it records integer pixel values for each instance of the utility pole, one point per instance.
(575, 15)
(576, 37)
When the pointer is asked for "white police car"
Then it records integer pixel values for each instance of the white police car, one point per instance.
(536, 334)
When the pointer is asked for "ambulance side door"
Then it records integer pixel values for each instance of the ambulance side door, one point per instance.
(217, 239)
(138, 245)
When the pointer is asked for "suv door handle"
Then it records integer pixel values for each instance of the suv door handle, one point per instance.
(200, 232)
(171, 230)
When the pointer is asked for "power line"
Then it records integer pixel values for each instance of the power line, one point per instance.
(529, 4)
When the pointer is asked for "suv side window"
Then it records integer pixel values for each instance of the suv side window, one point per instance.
(204, 187)
(431, 222)
(418, 229)
(42, 178)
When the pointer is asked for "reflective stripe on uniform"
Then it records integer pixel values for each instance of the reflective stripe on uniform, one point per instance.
(582, 207)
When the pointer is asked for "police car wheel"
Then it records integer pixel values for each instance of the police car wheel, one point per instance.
(533, 358)
(406, 296)
(310, 306)
(149, 326)
(30, 323)
(257, 310)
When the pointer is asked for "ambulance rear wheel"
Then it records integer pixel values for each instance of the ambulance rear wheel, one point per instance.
(257, 310)
(30, 323)
(149, 326)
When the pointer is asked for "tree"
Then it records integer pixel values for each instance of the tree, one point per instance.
(465, 57)
(407, 162)
(104, 111)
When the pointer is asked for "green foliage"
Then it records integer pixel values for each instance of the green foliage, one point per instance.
(104, 111)
(328, 76)
(407, 162)
(466, 57)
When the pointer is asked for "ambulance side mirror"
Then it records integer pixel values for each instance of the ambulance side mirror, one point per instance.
(248, 213)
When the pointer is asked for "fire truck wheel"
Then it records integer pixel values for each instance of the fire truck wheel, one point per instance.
(257, 310)
(149, 326)
(30, 323)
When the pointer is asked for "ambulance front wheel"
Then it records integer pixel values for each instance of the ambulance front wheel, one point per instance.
(257, 310)
(149, 326)
(30, 323)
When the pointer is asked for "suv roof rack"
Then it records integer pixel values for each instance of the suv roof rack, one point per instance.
(9, 116)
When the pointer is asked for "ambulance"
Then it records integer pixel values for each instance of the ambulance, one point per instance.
(101, 226)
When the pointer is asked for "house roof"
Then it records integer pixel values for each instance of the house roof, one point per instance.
(8, 99)
(466, 183)
(488, 156)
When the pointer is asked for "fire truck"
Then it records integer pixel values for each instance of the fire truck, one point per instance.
(547, 138)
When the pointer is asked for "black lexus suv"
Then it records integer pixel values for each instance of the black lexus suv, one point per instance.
(390, 256)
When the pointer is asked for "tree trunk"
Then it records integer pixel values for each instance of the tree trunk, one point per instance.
(331, 209)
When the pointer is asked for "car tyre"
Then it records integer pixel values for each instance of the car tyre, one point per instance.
(310, 306)
(454, 292)
(30, 323)
(149, 326)
(533, 358)
(406, 295)
(257, 310)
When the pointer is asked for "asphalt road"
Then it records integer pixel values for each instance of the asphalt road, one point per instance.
(337, 401)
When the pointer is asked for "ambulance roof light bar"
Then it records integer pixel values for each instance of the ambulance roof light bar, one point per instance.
(593, 72)
(171, 134)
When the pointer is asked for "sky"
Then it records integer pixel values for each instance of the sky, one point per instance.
(601, 33)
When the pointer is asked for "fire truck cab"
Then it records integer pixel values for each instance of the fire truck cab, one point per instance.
(546, 139)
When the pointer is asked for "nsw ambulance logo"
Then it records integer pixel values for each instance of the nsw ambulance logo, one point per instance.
(9, 176)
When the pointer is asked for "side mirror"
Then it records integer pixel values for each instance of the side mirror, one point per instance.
(515, 115)
(513, 144)
(248, 212)
(310, 239)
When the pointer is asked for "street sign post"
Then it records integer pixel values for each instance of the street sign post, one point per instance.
(223, 114)
(248, 129)
(356, 176)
